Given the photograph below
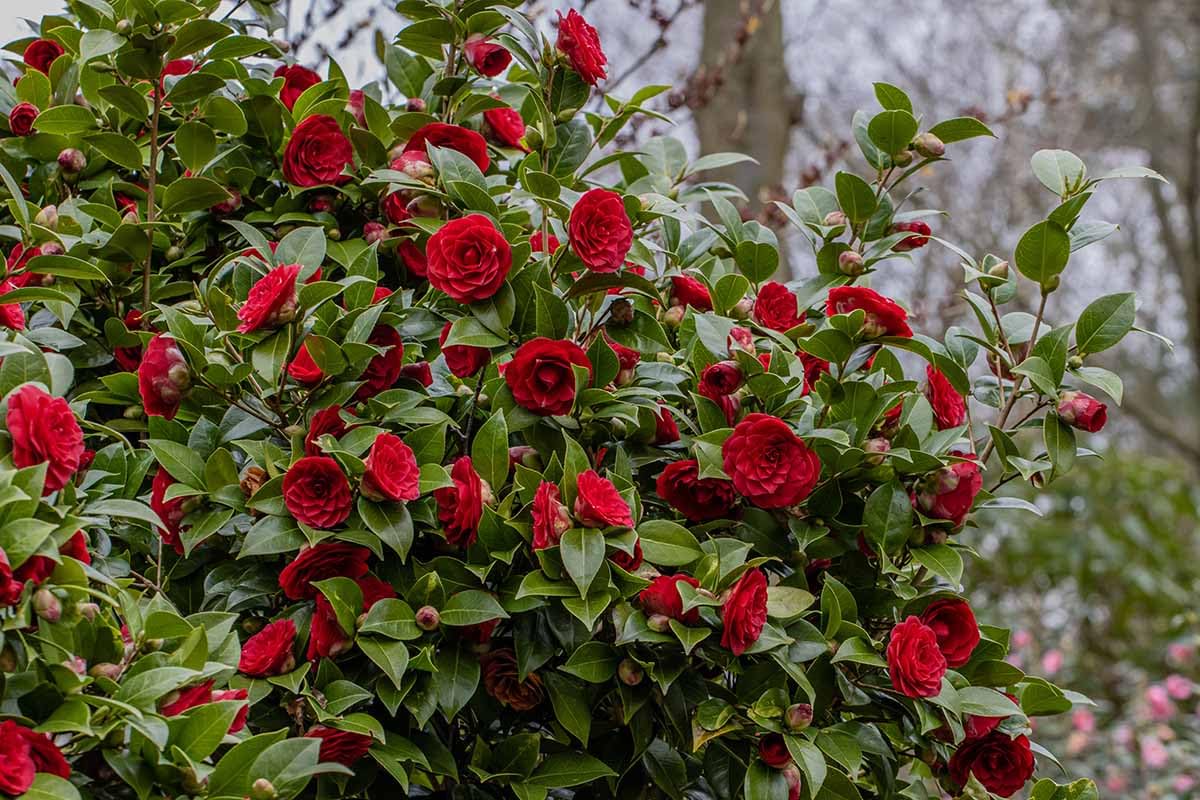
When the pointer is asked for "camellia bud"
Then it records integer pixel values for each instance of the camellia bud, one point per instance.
(228, 206)
(46, 605)
(72, 161)
(660, 623)
(525, 455)
(77, 665)
(742, 308)
(124, 26)
(425, 206)
(374, 232)
(415, 104)
(428, 618)
(903, 158)
(929, 145)
(533, 138)
(791, 774)
(621, 312)
(52, 249)
(89, 611)
(999, 270)
(835, 218)
(415, 165)
(673, 316)
(253, 625)
(851, 263)
(283, 45)
(174, 253)
(263, 789)
(47, 217)
(8, 659)
(937, 536)
(799, 716)
(630, 672)
(877, 447)
(105, 669)
(1074, 362)
(131, 217)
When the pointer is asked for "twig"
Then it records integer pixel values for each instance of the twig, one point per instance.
(151, 211)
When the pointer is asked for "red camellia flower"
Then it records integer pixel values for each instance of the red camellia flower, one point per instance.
(599, 230)
(391, 470)
(687, 291)
(414, 258)
(20, 119)
(949, 407)
(269, 652)
(698, 499)
(272, 300)
(535, 242)
(43, 752)
(163, 377)
(627, 357)
(915, 663)
(950, 492)
(463, 360)
(551, 519)
(326, 421)
(395, 206)
(953, 622)
(174, 69)
(239, 719)
(666, 430)
(303, 369)
(326, 639)
(11, 315)
(912, 242)
(488, 58)
(18, 773)
(169, 511)
(318, 153)
(720, 379)
(884, 316)
(455, 137)
(580, 43)
(129, 358)
(321, 561)
(38, 568)
(813, 368)
(505, 127)
(744, 612)
(502, 681)
(1082, 411)
(418, 371)
(341, 747)
(1001, 763)
(10, 585)
(598, 504)
(316, 492)
(44, 430)
(40, 54)
(541, 375)
(469, 258)
(185, 699)
(770, 465)
(460, 507)
(356, 105)
(662, 597)
(384, 369)
(772, 749)
(777, 308)
(295, 80)
(628, 561)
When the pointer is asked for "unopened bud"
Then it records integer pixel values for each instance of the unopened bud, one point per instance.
(533, 138)
(791, 775)
(621, 312)
(799, 716)
(105, 669)
(660, 623)
(877, 447)
(1074, 362)
(630, 672)
(124, 26)
(89, 611)
(742, 308)
(374, 232)
(937, 536)
(47, 217)
(283, 45)
(415, 104)
(131, 217)
(77, 665)
(174, 252)
(46, 605)
(425, 206)
(253, 625)
(673, 316)
(1050, 284)
(486, 494)
(903, 158)
(133, 412)
(835, 218)
(999, 270)
(263, 789)
(525, 455)
(929, 145)
(851, 263)
(72, 161)
(52, 249)
(8, 659)
(428, 618)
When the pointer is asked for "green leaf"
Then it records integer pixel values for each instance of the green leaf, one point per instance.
(855, 196)
(456, 679)
(570, 704)
(391, 656)
(668, 544)
(888, 516)
(46, 786)
(98, 43)
(960, 128)
(594, 662)
(892, 97)
(391, 522)
(940, 559)
(757, 260)
(195, 35)
(858, 652)
(810, 759)
(192, 194)
(118, 149)
(232, 773)
(1105, 322)
(892, 130)
(203, 727)
(564, 770)
(1043, 251)
(788, 602)
(582, 551)
(1059, 171)
(1060, 443)
(1108, 382)
(489, 451)
(196, 144)
(471, 608)
(1039, 373)
(65, 120)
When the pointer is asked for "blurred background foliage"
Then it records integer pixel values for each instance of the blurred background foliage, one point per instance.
(1105, 587)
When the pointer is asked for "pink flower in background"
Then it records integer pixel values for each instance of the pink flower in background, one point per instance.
(1077, 742)
(1123, 736)
(1158, 703)
(1154, 752)
(1021, 639)
(1179, 687)
(1183, 784)
(1116, 782)
(1179, 653)
(1083, 721)
(1052, 662)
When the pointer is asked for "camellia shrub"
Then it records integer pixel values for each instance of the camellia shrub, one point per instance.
(412, 441)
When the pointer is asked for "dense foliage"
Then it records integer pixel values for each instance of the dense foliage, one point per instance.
(413, 441)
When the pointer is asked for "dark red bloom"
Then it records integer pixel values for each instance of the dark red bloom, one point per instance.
(342, 747)
(772, 749)
(698, 499)
(627, 357)
(10, 585)
(316, 492)
(163, 377)
(950, 492)
(384, 369)
(414, 258)
(460, 507)
(463, 360)
(922, 231)
(770, 465)
(269, 652)
(321, 561)
(551, 519)
(1082, 411)
(182, 700)
(598, 504)
(418, 371)
(535, 242)
(129, 358)
(949, 407)
(915, 663)
(44, 430)
(599, 230)
(626, 561)
(1001, 763)
(356, 105)
(469, 258)
(953, 622)
(580, 43)
(455, 137)
(169, 511)
(541, 375)
(720, 379)
(295, 80)
(272, 300)
(687, 291)
(502, 681)
(666, 430)
(318, 153)
(391, 470)
(40, 54)
(505, 127)
(20, 119)
(884, 316)
(744, 612)
(303, 369)
(488, 58)
(326, 421)
(662, 597)
(239, 719)
(813, 368)
(777, 308)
